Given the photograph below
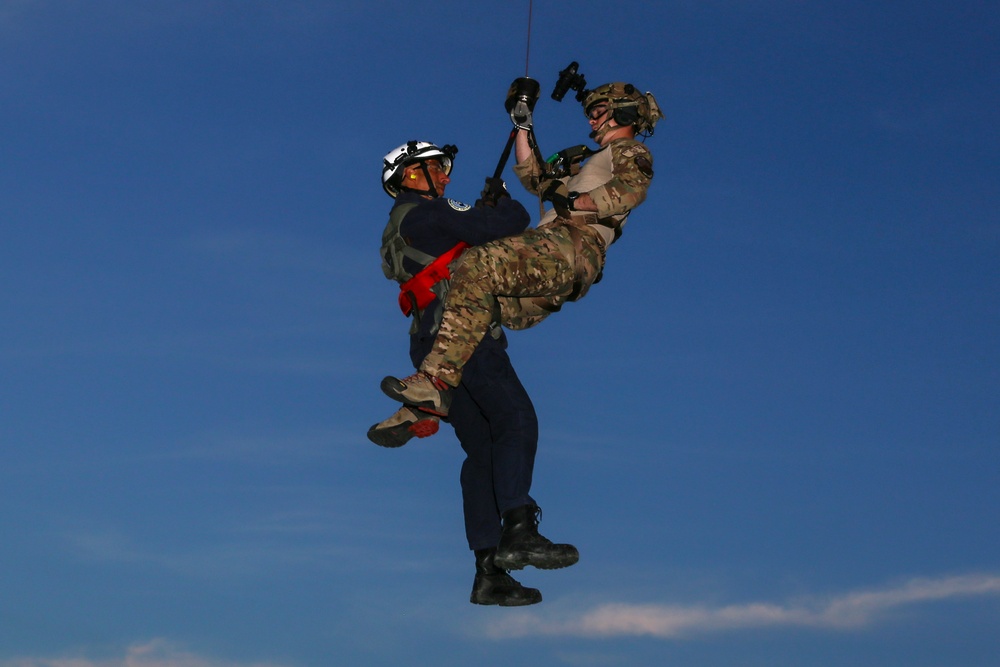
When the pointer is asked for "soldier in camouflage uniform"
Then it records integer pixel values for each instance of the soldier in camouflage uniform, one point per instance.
(531, 275)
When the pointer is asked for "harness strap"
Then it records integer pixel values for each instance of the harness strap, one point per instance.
(577, 226)
(613, 224)
(394, 247)
(421, 258)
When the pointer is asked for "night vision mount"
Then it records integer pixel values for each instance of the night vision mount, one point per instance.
(570, 79)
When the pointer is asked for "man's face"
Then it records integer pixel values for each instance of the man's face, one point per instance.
(599, 118)
(597, 113)
(414, 176)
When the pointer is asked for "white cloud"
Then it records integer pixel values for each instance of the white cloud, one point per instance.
(154, 653)
(850, 610)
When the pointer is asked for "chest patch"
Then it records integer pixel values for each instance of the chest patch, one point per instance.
(458, 206)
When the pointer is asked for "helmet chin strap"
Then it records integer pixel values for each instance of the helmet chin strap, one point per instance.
(599, 134)
(431, 190)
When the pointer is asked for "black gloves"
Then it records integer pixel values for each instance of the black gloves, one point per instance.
(494, 191)
(555, 191)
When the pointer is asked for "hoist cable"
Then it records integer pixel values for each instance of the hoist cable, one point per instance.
(527, 53)
(513, 133)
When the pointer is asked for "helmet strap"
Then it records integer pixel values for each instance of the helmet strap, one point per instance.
(605, 127)
(431, 190)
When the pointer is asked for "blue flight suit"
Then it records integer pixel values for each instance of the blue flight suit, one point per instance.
(491, 412)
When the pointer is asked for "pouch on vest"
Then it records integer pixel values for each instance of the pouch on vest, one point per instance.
(416, 292)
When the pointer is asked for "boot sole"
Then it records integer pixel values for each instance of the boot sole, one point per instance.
(506, 603)
(398, 436)
(519, 561)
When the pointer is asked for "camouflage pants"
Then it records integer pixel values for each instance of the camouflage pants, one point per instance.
(528, 276)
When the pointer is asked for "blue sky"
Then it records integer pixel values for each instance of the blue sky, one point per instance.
(772, 430)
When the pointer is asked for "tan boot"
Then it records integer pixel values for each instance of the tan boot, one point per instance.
(420, 390)
(404, 424)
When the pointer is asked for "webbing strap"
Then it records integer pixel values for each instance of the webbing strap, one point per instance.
(576, 229)
(421, 258)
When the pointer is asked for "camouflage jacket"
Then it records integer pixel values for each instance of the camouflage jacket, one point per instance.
(616, 177)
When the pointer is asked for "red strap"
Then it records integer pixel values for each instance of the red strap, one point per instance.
(417, 290)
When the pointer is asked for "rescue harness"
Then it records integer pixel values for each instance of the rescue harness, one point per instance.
(419, 290)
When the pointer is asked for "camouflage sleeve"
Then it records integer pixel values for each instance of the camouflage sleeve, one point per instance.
(529, 172)
(632, 171)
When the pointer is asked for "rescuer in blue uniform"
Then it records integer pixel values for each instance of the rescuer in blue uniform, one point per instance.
(491, 413)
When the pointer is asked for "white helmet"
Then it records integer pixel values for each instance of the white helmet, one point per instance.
(408, 153)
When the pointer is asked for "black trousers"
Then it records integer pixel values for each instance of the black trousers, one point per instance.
(496, 424)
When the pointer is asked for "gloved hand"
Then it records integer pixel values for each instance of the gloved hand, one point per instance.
(557, 192)
(521, 98)
(494, 191)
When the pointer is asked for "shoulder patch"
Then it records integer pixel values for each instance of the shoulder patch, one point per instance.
(644, 165)
(634, 149)
(458, 206)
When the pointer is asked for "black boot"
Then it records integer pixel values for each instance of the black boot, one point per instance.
(494, 586)
(521, 545)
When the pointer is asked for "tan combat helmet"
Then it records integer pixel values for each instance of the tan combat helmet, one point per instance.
(626, 104)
